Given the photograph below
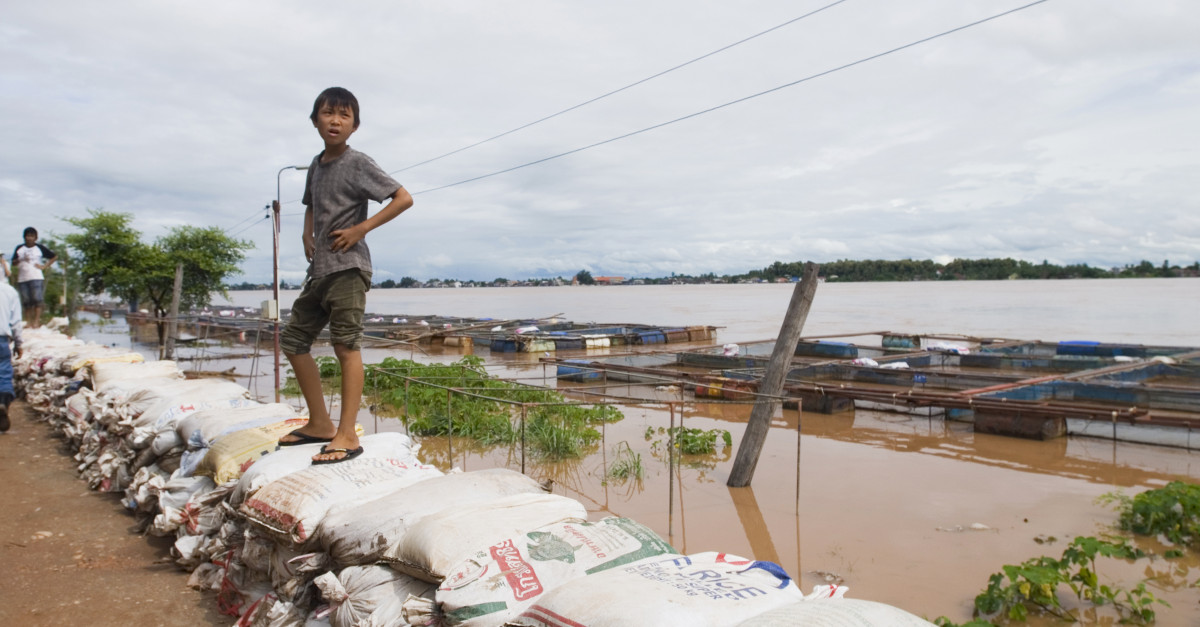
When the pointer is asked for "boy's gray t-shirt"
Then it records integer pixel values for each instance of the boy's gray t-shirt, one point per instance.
(338, 192)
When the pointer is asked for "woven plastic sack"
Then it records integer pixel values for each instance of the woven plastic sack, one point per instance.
(88, 358)
(137, 402)
(289, 459)
(232, 454)
(498, 583)
(683, 591)
(160, 435)
(200, 429)
(363, 534)
(357, 592)
(291, 508)
(103, 373)
(435, 543)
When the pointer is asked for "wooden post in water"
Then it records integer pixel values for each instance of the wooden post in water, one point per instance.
(772, 381)
(173, 323)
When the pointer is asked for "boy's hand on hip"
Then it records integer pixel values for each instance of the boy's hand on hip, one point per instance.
(343, 239)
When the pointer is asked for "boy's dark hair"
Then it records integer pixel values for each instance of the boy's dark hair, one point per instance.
(336, 97)
(29, 230)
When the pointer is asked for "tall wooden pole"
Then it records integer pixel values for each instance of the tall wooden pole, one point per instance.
(173, 323)
(772, 382)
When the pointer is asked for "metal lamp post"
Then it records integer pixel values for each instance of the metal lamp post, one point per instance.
(275, 281)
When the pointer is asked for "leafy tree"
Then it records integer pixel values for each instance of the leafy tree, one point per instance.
(108, 254)
(58, 303)
(408, 282)
(583, 277)
(112, 258)
(388, 284)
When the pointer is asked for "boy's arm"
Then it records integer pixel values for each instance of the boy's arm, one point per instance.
(49, 255)
(343, 239)
(310, 244)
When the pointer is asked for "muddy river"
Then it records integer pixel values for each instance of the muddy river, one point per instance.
(908, 510)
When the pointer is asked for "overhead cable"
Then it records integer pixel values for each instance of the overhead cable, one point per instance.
(252, 215)
(621, 89)
(251, 225)
(738, 101)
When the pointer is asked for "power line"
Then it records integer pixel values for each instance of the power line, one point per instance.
(251, 225)
(621, 89)
(252, 215)
(738, 101)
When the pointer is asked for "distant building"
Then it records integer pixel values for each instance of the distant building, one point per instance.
(609, 280)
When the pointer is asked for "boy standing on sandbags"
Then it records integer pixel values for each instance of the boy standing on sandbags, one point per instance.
(10, 331)
(340, 181)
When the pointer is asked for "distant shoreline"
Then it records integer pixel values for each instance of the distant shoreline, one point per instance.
(843, 271)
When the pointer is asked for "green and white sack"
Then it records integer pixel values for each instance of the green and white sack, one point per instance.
(499, 582)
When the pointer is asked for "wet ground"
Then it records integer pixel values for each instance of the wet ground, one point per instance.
(71, 556)
(907, 510)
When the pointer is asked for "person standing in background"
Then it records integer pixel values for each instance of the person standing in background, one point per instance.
(29, 260)
(10, 331)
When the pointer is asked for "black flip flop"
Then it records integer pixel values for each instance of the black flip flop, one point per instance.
(347, 455)
(304, 439)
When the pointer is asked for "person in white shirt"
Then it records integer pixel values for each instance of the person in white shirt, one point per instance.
(29, 260)
(10, 331)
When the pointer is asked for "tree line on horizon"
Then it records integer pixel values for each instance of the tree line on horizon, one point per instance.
(846, 270)
(970, 270)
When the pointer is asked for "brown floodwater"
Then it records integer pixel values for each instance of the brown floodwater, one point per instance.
(903, 509)
(890, 505)
(883, 503)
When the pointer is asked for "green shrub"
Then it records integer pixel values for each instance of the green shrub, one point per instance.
(1172, 511)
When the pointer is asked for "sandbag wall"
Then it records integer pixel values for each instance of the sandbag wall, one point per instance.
(380, 540)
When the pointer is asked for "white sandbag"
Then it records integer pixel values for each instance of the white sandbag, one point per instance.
(173, 497)
(435, 543)
(684, 591)
(161, 436)
(498, 583)
(103, 373)
(233, 453)
(142, 494)
(836, 613)
(293, 506)
(200, 429)
(362, 534)
(389, 614)
(174, 392)
(120, 390)
(78, 407)
(203, 514)
(288, 459)
(85, 358)
(356, 592)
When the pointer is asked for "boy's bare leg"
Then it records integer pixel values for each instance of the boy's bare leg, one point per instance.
(352, 387)
(308, 376)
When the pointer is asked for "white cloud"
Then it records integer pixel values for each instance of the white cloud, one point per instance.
(1064, 132)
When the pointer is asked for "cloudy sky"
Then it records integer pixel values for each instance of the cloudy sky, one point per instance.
(1068, 131)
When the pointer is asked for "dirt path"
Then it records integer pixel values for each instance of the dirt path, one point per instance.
(71, 556)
